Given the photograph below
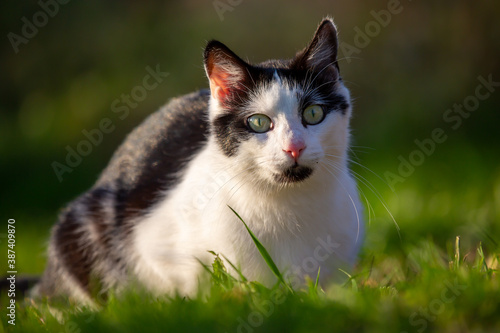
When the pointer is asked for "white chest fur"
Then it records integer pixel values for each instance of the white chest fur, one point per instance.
(312, 224)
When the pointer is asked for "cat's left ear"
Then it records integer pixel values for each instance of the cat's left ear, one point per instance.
(321, 52)
(228, 74)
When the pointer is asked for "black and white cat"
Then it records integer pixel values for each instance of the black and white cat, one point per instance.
(269, 140)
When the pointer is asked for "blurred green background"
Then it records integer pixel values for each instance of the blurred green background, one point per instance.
(407, 74)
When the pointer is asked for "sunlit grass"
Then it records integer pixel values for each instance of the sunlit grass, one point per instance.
(428, 290)
(415, 286)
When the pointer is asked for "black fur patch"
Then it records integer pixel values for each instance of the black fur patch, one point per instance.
(330, 103)
(317, 88)
(100, 219)
(294, 174)
(230, 130)
(72, 245)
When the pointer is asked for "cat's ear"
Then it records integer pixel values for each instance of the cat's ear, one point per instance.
(229, 76)
(321, 53)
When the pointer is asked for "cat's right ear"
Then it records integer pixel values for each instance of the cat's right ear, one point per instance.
(229, 76)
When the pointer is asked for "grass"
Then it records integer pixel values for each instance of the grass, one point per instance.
(434, 293)
(422, 278)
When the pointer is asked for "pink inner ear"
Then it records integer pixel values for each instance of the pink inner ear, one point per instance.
(219, 84)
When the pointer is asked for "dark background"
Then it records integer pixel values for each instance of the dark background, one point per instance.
(405, 77)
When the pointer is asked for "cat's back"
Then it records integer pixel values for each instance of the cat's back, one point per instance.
(165, 136)
(153, 154)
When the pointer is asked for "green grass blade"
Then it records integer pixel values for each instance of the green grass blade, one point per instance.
(354, 284)
(263, 252)
(219, 275)
(456, 261)
(242, 277)
(481, 264)
(317, 280)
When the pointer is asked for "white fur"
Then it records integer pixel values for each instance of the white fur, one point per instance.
(294, 222)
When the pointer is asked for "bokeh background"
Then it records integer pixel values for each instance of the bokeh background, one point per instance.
(403, 80)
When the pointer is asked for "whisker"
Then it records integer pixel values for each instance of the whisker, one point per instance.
(369, 206)
(376, 193)
(352, 201)
(346, 58)
(364, 167)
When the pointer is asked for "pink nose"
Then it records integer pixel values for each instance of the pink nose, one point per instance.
(295, 149)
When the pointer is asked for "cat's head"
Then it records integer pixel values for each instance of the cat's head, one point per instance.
(283, 120)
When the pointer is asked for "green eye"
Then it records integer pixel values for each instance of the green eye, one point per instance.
(259, 123)
(313, 115)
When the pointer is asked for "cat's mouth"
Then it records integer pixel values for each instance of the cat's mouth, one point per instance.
(294, 174)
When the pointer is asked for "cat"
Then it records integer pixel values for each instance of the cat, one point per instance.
(268, 140)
